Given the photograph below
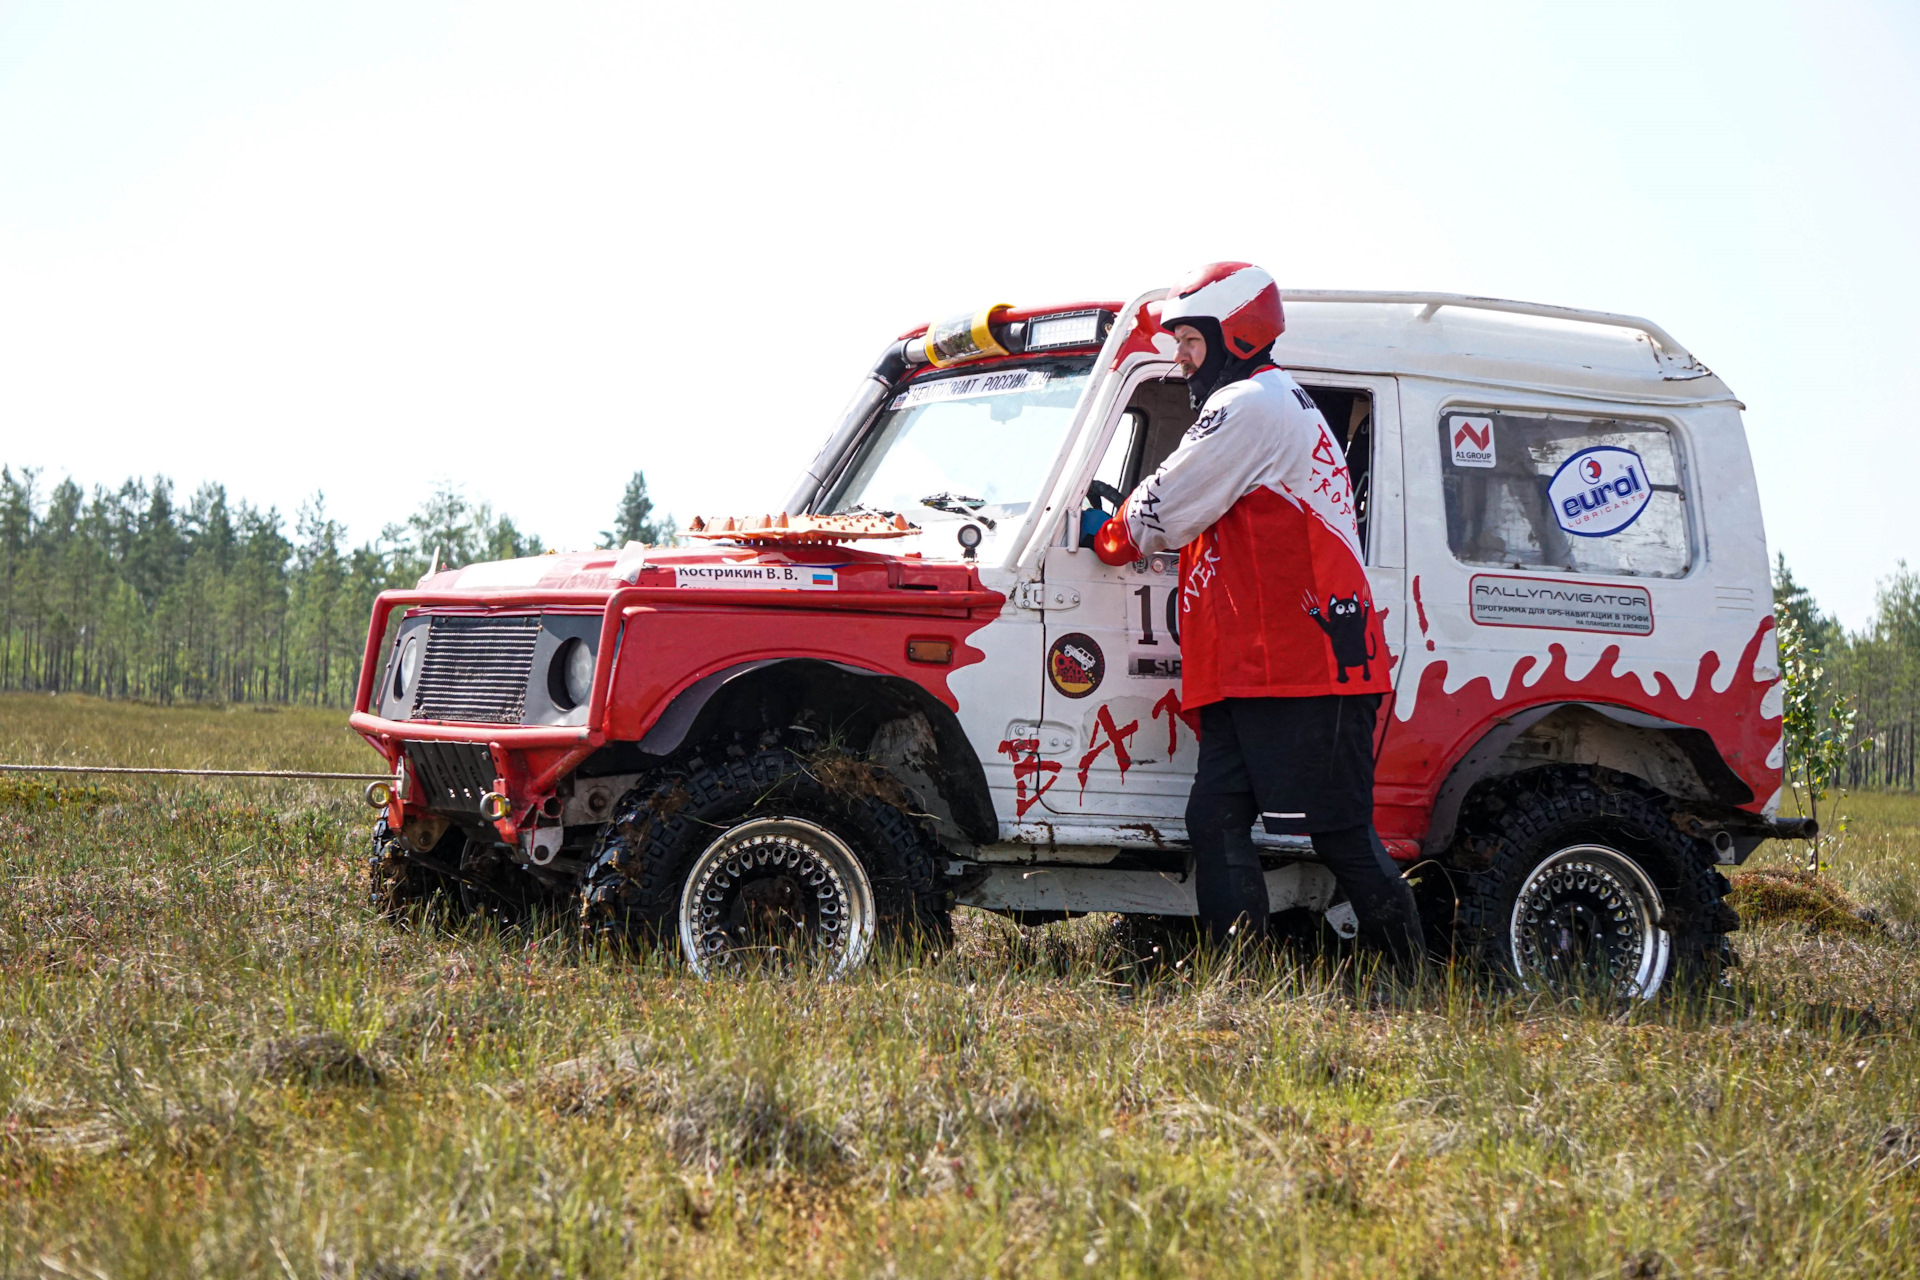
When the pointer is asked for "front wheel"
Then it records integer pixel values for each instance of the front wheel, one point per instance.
(776, 892)
(757, 841)
(402, 884)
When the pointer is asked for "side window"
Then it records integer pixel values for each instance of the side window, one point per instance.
(1108, 490)
(1113, 467)
(1160, 406)
(1590, 495)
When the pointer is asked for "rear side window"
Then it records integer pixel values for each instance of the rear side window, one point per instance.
(1590, 495)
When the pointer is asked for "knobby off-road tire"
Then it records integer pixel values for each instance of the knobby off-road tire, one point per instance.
(632, 890)
(1588, 881)
(402, 885)
(493, 888)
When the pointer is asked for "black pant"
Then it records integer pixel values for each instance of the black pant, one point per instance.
(1296, 762)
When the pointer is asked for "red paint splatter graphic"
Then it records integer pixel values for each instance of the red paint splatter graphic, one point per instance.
(1418, 752)
(1169, 704)
(1140, 333)
(1029, 767)
(1420, 608)
(1115, 737)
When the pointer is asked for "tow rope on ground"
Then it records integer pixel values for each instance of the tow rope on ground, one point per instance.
(197, 773)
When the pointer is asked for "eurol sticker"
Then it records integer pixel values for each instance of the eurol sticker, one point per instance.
(1472, 442)
(1599, 491)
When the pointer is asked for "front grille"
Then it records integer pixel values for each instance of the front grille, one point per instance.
(476, 669)
(450, 776)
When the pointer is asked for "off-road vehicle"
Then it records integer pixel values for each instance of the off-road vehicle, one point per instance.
(911, 684)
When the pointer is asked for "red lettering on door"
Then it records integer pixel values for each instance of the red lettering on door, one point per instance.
(1027, 764)
(1169, 704)
(1115, 737)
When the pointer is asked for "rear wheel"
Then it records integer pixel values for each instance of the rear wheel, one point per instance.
(757, 841)
(1591, 887)
(1589, 909)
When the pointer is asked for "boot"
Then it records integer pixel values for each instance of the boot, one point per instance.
(1389, 920)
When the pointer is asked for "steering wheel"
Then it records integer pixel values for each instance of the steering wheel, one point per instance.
(1100, 491)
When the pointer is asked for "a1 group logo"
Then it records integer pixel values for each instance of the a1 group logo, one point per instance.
(1472, 442)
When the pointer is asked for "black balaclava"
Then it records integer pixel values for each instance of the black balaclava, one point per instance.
(1219, 368)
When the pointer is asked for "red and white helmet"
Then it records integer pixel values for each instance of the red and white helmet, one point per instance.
(1238, 296)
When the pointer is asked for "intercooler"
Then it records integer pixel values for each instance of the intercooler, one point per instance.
(476, 669)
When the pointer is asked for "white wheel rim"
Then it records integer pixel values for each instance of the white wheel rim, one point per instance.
(1588, 899)
(782, 872)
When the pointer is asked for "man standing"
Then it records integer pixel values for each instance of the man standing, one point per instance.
(1282, 651)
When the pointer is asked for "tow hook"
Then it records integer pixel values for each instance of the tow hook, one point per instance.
(541, 845)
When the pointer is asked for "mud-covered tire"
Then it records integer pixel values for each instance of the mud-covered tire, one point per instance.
(1595, 854)
(402, 885)
(632, 888)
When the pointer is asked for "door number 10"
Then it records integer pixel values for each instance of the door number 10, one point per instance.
(1145, 593)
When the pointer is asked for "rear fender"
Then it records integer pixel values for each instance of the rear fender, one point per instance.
(1680, 760)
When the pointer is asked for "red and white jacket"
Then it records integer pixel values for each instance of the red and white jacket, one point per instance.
(1274, 601)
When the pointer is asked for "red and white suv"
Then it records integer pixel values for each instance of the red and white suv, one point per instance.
(913, 685)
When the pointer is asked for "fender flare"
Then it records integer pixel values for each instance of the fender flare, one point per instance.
(670, 730)
(969, 797)
(1475, 765)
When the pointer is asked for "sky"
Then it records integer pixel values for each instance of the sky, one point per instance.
(362, 250)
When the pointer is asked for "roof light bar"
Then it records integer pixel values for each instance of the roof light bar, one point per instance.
(1074, 329)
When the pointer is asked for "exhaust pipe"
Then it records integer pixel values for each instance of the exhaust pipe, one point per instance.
(1795, 828)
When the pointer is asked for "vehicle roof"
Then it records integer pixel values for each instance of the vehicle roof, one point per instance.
(1490, 342)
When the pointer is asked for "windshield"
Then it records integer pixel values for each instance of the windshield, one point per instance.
(965, 443)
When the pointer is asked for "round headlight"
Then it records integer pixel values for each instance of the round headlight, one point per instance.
(570, 677)
(407, 667)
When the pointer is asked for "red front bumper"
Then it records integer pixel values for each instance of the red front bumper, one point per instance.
(530, 760)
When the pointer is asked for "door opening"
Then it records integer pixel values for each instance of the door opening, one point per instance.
(1158, 415)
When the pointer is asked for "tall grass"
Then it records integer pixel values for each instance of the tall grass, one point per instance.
(215, 1061)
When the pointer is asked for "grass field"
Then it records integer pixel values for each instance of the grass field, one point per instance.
(215, 1061)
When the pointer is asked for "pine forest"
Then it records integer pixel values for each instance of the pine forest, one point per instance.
(141, 592)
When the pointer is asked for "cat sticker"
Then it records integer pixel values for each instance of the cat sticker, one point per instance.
(1345, 622)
